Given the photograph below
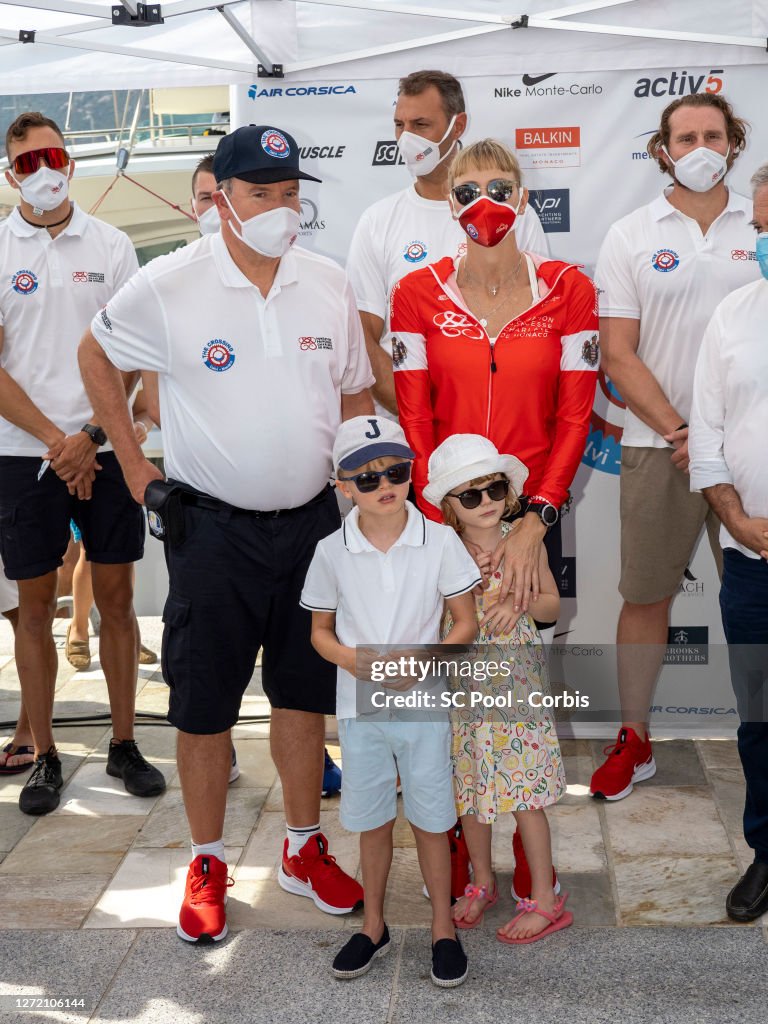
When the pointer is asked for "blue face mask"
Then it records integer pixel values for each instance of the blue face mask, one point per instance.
(761, 248)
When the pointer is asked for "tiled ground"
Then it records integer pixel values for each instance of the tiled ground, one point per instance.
(104, 859)
(112, 866)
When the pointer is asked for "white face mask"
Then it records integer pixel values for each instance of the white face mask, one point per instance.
(44, 190)
(270, 234)
(209, 222)
(422, 155)
(701, 169)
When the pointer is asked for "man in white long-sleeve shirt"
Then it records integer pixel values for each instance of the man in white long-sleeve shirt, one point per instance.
(729, 425)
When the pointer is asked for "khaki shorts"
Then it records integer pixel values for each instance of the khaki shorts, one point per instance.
(661, 521)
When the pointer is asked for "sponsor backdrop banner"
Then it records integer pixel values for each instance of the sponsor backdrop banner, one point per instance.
(580, 139)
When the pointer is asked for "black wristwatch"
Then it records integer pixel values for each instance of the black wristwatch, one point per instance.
(96, 434)
(546, 512)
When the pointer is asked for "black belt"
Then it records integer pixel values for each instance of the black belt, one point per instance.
(198, 500)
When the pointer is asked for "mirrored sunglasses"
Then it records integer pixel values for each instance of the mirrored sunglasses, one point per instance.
(54, 157)
(368, 481)
(471, 498)
(500, 189)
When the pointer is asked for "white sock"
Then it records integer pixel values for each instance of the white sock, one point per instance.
(297, 837)
(210, 850)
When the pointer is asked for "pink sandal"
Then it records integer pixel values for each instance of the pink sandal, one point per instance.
(560, 918)
(474, 892)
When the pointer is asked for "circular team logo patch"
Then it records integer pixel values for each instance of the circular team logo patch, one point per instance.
(24, 282)
(218, 355)
(274, 143)
(665, 260)
(472, 231)
(415, 252)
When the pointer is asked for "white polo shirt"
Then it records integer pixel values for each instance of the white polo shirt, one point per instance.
(729, 419)
(49, 290)
(655, 266)
(250, 388)
(386, 598)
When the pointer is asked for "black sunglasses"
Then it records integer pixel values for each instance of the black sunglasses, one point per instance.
(471, 498)
(368, 481)
(500, 189)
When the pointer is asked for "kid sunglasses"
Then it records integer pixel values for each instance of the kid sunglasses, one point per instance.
(368, 481)
(471, 498)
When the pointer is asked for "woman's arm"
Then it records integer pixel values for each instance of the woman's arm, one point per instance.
(412, 387)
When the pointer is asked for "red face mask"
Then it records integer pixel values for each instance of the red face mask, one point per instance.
(487, 222)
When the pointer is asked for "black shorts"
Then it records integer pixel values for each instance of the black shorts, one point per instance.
(235, 584)
(35, 515)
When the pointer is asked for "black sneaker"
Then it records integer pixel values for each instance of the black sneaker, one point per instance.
(40, 794)
(357, 956)
(125, 762)
(449, 963)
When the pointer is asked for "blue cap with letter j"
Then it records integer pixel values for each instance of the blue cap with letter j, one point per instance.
(260, 154)
(365, 438)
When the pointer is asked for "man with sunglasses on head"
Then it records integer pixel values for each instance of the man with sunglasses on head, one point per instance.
(260, 356)
(414, 227)
(662, 270)
(59, 266)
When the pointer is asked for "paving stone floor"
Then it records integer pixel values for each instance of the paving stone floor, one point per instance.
(90, 895)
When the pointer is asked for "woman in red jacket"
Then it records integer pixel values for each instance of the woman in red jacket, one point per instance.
(501, 343)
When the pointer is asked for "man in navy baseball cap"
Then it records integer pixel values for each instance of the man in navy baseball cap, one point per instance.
(260, 154)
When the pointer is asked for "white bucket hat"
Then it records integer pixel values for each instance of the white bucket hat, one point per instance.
(463, 457)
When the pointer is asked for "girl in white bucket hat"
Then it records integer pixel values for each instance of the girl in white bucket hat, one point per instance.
(506, 757)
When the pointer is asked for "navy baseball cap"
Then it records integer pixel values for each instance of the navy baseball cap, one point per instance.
(365, 438)
(260, 154)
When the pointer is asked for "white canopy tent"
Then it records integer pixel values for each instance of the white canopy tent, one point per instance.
(73, 45)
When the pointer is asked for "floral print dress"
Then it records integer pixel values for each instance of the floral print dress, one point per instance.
(505, 758)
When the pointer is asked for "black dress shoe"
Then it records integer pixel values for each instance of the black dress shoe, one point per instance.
(748, 899)
(125, 762)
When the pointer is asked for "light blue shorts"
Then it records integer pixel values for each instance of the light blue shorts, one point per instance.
(374, 753)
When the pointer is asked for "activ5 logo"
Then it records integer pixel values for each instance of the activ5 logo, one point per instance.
(603, 448)
(680, 83)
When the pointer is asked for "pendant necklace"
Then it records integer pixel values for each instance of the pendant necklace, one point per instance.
(494, 290)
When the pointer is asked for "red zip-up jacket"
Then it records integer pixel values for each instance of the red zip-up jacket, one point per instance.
(531, 392)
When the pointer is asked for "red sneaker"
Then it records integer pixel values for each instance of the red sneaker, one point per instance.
(202, 917)
(521, 879)
(314, 872)
(459, 861)
(630, 760)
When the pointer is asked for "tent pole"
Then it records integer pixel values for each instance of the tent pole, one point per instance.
(405, 44)
(244, 35)
(645, 33)
(444, 14)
